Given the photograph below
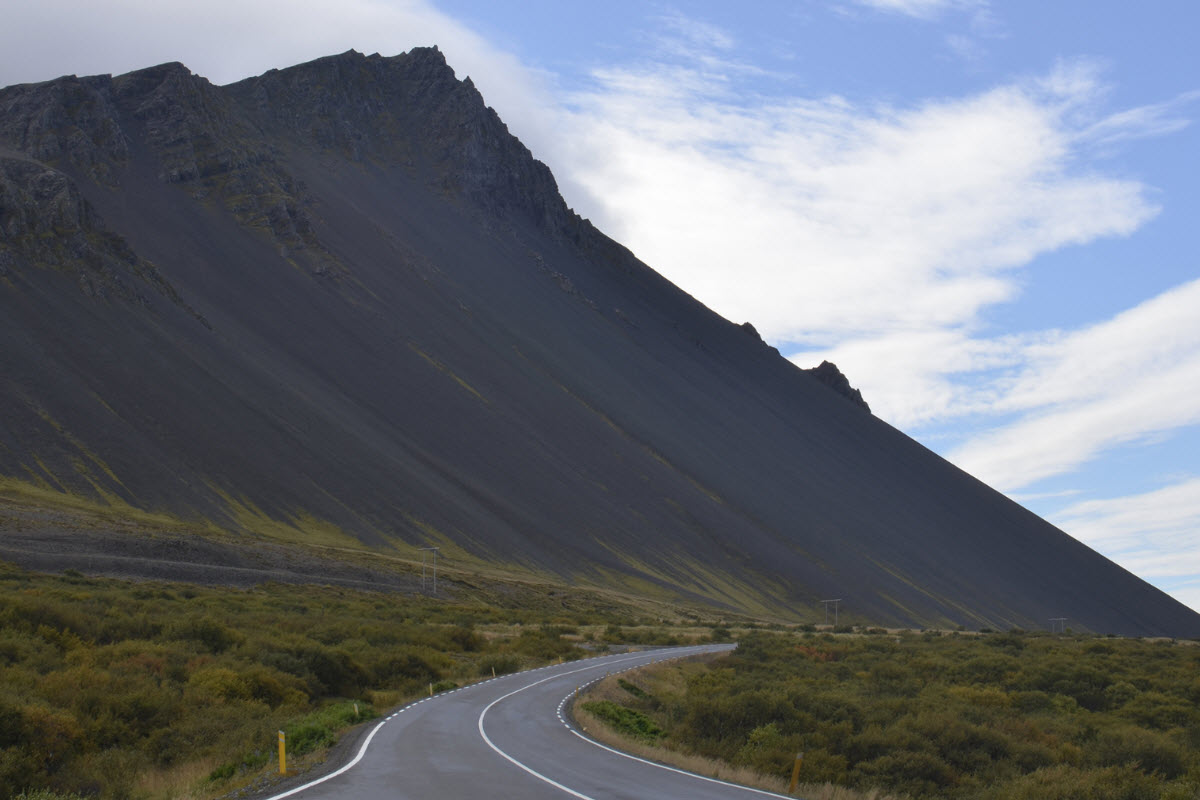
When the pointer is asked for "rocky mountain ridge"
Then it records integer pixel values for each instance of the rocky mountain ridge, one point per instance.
(340, 303)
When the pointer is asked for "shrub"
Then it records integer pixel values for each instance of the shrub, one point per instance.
(1160, 711)
(11, 725)
(764, 749)
(1149, 751)
(216, 685)
(308, 736)
(273, 687)
(405, 666)
(542, 645)
(1065, 782)
(210, 634)
(919, 774)
(500, 663)
(625, 720)
(720, 633)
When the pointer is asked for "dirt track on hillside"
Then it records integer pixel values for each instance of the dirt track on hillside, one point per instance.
(53, 541)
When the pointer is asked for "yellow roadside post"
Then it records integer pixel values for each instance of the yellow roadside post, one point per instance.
(795, 773)
(282, 754)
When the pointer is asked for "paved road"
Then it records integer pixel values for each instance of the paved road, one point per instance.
(507, 738)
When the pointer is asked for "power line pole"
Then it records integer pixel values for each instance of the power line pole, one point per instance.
(835, 610)
(1058, 622)
(425, 550)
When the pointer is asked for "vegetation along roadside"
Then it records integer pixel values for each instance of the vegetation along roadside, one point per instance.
(995, 716)
(116, 689)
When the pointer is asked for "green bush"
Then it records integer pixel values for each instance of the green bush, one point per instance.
(210, 634)
(306, 737)
(498, 663)
(625, 720)
(1150, 751)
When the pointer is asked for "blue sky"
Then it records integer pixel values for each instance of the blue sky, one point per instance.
(985, 213)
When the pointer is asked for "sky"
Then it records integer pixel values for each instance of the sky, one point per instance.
(986, 214)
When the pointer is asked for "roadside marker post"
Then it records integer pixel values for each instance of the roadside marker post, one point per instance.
(795, 773)
(282, 753)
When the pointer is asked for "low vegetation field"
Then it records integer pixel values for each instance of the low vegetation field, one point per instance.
(119, 689)
(115, 689)
(994, 716)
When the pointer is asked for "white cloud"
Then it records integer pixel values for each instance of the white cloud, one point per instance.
(922, 9)
(1153, 534)
(1155, 119)
(227, 40)
(873, 236)
(693, 38)
(860, 220)
(1081, 393)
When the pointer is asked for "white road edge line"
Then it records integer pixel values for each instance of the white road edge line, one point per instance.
(361, 752)
(528, 769)
(680, 771)
(632, 757)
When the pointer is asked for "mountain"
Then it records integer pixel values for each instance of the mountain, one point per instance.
(341, 303)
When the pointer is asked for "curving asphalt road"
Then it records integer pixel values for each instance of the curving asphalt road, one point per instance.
(508, 738)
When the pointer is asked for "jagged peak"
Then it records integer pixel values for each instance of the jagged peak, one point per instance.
(409, 110)
(828, 373)
(158, 74)
(165, 68)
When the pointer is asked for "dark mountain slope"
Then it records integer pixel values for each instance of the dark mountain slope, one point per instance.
(342, 301)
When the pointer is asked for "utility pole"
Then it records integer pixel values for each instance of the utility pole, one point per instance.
(425, 550)
(1058, 622)
(835, 610)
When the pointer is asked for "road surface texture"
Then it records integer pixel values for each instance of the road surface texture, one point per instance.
(508, 738)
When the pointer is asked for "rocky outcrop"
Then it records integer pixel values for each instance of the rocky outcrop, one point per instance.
(828, 373)
(223, 143)
(46, 223)
(410, 109)
(196, 135)
(66, 122)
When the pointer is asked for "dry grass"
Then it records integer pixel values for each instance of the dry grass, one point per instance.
(186, 781)
(660, 678)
